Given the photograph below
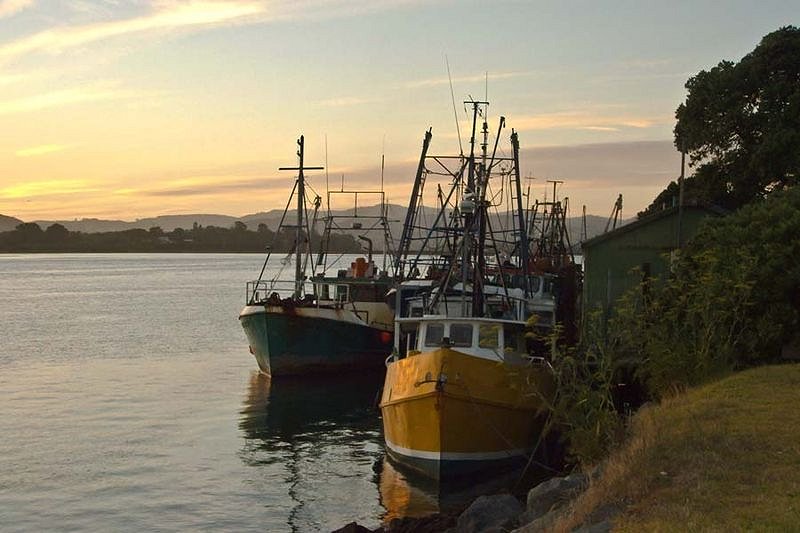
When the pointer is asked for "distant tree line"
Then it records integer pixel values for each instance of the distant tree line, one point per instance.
(30, 237)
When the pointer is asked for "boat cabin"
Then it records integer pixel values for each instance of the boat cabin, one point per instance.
(487, 338)
(503, 303)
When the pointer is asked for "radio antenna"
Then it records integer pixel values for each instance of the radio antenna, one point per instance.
(327, 185)
(383, 159)
(453, 97)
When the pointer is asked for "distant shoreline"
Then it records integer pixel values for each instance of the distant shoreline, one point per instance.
(32, 238)
(171, 252)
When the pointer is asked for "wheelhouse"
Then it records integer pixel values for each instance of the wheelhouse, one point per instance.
(481, 337)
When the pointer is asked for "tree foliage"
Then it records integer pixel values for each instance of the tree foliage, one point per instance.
(740, 125)
(29, 237)
(732, 300)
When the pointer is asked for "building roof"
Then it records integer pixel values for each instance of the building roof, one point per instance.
(649, 219)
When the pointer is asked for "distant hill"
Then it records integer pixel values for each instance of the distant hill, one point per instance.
(88, 225)
(595, 225)
(165, 222)
(8, 223)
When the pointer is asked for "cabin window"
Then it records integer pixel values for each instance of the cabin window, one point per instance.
(434, 334)
(461, 335)
(548, 286)
(324, 293)
(341, 293)
(488, 336)
(411, 341)
(536, 283)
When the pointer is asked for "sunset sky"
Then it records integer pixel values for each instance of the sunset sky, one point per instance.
(126, 109)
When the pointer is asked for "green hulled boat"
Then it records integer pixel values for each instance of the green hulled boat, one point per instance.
(322, 323)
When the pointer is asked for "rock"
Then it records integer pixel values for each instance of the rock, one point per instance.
(543, 523)
(427, 524)
(553, 493)
(489, 513)
(353, 527)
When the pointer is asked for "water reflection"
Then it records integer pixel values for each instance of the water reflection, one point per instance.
(316, 441)
(406, 493)
(401, 496)
(287, 409)
(321, 439)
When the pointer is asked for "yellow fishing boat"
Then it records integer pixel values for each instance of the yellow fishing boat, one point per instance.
(466, 397)
(464, 388)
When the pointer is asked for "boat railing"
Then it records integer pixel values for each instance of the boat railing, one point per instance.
(496, 305)
(260, 292)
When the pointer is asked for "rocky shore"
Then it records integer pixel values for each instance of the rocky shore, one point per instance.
(546, 503)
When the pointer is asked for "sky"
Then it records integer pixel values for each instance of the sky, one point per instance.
(128, 109)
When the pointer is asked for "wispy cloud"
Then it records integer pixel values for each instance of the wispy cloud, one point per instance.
(464, 79)
(63, 97)
(9, 79)
(12, 7)
(45, 188)
(345, 101)
(204, 185)
(585, 121)
(172, 15)
(43, 149)
(599, 128)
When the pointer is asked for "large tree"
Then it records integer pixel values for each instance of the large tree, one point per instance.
(740, 125)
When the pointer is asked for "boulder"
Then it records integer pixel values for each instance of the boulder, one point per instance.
(435, 523)
(489, 513)
(553, 493)
(353, 527)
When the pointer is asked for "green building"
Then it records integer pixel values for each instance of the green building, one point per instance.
(611, 260)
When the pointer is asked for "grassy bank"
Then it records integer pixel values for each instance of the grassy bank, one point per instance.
(724, 456)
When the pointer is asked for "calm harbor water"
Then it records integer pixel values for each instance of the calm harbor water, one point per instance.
(129, 402)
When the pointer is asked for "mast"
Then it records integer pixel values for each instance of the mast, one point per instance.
(469, 217)
(523, 234)
(299, 276)
(416, 194)
(467, 259)
(301, 197)
(473, 217)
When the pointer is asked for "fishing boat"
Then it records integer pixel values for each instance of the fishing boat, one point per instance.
(321, 322)
(464, 388)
